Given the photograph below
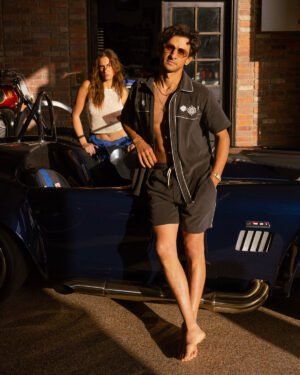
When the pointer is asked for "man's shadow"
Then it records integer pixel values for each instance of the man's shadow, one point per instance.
(167, 336)
(40, 334)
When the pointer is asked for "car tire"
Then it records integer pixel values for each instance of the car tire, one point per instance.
(13, 266)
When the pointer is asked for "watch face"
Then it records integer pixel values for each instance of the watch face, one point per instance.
(218, 177)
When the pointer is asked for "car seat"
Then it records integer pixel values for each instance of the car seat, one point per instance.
(49, 178)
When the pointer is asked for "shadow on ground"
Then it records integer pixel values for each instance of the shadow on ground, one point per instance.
(41, 335)
(287, 306)
(278, 322)
(166, 335)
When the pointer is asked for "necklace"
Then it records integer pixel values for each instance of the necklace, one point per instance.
(162, 101)
(169, 91)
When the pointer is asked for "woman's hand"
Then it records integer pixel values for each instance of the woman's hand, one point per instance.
(145, 153)
(90, 148)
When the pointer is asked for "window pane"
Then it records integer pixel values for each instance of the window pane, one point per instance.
(208, 73)
(209, 19)
(209, 47)
(184, 15)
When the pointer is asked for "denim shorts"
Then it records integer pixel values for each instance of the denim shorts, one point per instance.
(167, 205)
(106, 147)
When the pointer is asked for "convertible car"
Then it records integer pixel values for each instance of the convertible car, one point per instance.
(73, 217)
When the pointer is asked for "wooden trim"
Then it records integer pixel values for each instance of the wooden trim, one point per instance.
(92, 18)
(233, 73)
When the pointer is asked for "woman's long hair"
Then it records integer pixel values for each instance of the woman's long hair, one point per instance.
(96, 89)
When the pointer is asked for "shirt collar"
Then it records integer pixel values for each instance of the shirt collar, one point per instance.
(149, 83)
(185, 83)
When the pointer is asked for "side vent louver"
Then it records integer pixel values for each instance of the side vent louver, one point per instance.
(253, 241)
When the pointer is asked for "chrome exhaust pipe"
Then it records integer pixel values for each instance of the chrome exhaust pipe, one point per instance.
(237, 302)
(226, 302)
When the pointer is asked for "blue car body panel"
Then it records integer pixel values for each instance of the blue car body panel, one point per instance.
(238, 205)
(92, 232)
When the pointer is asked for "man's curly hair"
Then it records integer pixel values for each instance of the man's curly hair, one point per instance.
(180, 30)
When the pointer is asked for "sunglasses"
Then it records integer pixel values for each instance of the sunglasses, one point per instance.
(181, 52)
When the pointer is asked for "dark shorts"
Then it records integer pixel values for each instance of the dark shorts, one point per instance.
(167, 205)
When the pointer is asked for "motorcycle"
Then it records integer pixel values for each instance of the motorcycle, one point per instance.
(19, 111)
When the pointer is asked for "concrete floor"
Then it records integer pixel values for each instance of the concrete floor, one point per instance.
(43, 332)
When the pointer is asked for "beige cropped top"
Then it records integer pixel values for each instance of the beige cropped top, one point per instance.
(104, 119)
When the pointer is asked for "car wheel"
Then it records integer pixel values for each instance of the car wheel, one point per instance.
(13, 267)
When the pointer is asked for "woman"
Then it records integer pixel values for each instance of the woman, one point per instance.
(105, 96)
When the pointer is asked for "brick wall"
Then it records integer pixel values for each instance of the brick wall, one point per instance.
(268, 83)
(46, 41)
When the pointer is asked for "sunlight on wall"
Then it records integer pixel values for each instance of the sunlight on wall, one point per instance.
(41, 79)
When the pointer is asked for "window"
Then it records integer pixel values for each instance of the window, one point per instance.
(208, 19)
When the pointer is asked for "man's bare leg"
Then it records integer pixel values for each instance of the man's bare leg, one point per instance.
(166, 247)
(194, 251)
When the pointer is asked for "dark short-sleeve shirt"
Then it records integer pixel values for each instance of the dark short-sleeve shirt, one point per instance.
(193, 113)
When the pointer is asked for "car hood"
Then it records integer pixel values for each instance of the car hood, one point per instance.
(263, 165)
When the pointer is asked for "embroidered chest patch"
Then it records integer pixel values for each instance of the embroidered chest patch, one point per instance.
(191, 110)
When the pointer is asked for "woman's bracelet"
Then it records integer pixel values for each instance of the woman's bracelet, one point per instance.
(80, 136)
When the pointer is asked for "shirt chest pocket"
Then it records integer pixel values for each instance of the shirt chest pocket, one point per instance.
(188, 114)
(142, 105)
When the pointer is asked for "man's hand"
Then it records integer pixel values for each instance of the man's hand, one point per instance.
(145, 153)
(214, 180)
(221, 155)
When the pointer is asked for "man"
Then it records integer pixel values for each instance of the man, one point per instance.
(169, 119)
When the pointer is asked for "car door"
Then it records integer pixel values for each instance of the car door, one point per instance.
(94, 232)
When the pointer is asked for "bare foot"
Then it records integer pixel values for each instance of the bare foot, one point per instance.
(181, 346)
(193, 337)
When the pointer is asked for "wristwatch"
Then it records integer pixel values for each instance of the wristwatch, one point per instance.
(217, 176)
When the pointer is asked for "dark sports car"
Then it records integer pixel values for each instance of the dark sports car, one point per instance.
(73, 218)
